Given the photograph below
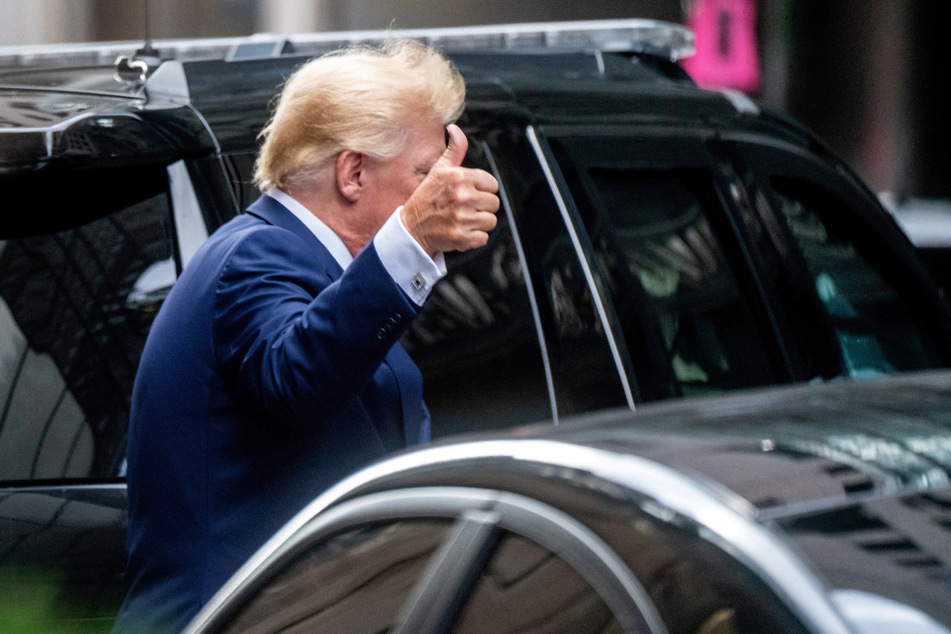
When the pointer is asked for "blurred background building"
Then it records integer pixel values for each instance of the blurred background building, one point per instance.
(865, 75)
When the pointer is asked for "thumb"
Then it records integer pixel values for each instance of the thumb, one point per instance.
(458, 146)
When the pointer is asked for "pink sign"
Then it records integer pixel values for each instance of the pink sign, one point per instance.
(726, 54)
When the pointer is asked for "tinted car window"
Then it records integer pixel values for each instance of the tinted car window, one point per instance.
(809, 347)
(475, 340)
(875, 329)
(526, 588)
(509, 565)
(684, 315)
(584, 372)
(79, 287)
(354, 582)
(851, 294)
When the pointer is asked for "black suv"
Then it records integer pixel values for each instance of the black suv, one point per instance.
(655, 240)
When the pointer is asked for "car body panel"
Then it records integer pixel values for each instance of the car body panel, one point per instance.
(889, 539)
(77, 128)
(62, 558)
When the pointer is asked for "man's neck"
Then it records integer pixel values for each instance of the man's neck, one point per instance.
(338, 217)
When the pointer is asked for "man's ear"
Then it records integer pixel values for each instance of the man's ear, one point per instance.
(349, 172)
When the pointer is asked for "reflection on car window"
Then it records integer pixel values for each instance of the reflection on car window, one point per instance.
(652, 229)
(810, 345)
(355, 582)
(584, 372)
(685, 318)
(475, 340)
(526, 588)
(696, 586)
(876, 332)
(75, 308)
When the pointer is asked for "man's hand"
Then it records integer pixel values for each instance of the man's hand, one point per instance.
(453, 209)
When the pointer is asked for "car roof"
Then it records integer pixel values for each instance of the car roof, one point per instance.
(40, 109)
(616, 70)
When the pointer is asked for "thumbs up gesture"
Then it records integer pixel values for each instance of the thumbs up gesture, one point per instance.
(454, 208)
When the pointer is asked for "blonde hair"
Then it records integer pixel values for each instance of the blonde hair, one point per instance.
(360, 99)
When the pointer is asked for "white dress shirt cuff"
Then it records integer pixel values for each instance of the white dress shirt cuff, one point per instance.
(406, 261)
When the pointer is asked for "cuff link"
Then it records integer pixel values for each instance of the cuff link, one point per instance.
(419, 282)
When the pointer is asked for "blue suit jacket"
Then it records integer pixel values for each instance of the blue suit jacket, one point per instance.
(268, 375)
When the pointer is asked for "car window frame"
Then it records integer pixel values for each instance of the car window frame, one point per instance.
(586, 256)
(440, 594)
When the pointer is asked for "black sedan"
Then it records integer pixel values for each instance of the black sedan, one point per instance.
(817, 508)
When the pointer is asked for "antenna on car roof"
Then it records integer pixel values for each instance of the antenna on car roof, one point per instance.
(144, 59)
(148, 52)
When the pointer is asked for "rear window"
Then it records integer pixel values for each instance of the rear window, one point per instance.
(84, 265)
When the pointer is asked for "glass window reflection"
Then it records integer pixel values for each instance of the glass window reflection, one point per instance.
(584, 372)
(526, 588)
(476, 340)
(684, 315)
(876, 332)
(76, 303)
(354, 582)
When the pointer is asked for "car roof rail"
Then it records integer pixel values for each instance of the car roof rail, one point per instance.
(650, 37)
(647, 37)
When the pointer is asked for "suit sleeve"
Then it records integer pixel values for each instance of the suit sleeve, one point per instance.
(288, 340)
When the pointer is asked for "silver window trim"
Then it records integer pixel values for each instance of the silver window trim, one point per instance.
(585, 267)
(529, 286)
(549, 527)
(190, 229)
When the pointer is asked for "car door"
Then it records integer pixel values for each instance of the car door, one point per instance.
(82, 275)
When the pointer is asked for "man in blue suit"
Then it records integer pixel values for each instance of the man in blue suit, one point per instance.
(274, 368)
